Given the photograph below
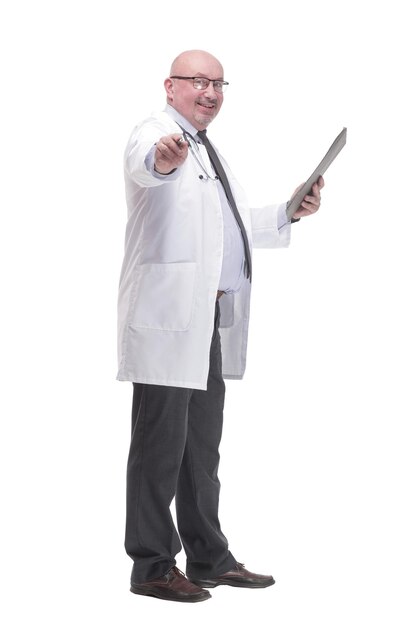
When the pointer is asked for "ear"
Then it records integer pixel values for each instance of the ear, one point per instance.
(169, 88)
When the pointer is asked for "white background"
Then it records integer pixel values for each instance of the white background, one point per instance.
(319, 450)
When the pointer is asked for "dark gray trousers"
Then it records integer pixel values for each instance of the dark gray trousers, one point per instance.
(176, 434)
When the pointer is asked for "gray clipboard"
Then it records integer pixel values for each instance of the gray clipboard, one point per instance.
(328, 158)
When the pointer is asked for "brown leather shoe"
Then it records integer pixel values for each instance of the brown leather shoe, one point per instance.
(173, 586)
(237, 577)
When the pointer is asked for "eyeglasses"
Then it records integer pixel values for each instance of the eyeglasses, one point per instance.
(201, 83)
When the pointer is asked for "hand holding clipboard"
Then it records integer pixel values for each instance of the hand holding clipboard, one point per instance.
(305, 189)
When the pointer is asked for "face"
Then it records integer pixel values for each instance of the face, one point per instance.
(199, 107)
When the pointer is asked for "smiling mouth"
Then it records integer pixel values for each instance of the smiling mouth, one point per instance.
(207, 105)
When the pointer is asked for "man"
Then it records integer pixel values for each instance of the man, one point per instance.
(186, 272)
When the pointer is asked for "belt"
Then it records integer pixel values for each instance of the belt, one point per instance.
(219, 294)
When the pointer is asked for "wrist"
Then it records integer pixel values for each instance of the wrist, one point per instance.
(163, 173)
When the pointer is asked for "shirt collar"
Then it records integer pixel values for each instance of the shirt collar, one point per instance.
(177, 117)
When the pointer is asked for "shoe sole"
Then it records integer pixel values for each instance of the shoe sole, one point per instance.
(153, 594)
(210, 584)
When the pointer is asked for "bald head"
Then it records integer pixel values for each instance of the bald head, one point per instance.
(198, 106)
(189, 59)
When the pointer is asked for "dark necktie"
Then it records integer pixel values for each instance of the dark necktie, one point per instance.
(218, 168)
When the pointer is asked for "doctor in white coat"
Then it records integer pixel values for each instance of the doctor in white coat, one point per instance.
(183, 323)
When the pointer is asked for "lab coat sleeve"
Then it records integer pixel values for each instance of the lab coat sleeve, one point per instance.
(270, 228)
(136, 160)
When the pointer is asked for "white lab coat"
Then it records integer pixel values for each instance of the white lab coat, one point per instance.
(172, 265)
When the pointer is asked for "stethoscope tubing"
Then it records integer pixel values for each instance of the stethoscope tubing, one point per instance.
(194, 149)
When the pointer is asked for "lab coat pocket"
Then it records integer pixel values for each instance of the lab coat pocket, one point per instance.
(164, 296)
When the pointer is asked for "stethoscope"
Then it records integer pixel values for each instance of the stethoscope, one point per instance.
(195, 151)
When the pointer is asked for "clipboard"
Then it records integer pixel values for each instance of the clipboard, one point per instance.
(328, 158)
